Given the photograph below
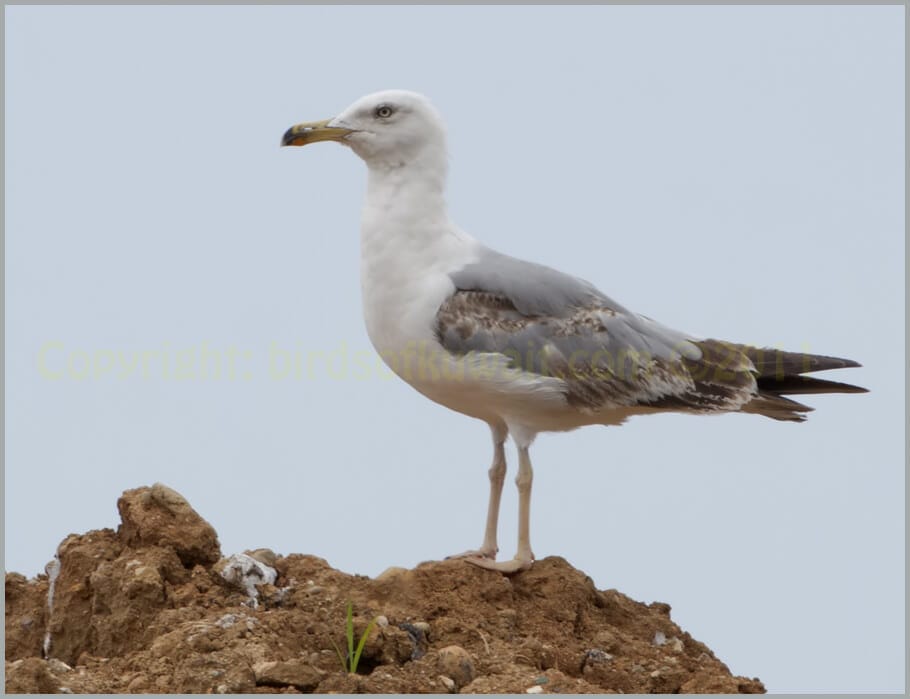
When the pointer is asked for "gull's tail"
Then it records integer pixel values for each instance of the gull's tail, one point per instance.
(782, 373)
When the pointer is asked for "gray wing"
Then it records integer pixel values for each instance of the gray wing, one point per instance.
(553, 324)
(533, 289)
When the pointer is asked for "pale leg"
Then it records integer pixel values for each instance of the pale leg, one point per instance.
(524, 556)
(524, 480)
(497, 473)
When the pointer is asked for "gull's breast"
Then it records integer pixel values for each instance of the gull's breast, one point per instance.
(405, 276)
(405, 279)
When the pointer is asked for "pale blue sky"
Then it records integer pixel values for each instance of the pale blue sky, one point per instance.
(735, 172)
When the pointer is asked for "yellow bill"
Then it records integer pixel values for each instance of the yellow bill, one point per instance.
(312, 132)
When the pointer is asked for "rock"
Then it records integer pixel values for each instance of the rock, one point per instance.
(142, 580)
(137, 685)
(667, 680)
(30, 676)
(227, 621)
(607, 640)
(160, 516)
(246, 572)
(391, 573)
(533, 653)
(58, 667)
(69, 628)
(455, 662)
(595, 656)
(418, 638)
(598, 668)
(342, 683)
(273, 596)
(423, 627)
(265, 556)
(25, 629)
(386, 645)
(448, 683)
(294, 673)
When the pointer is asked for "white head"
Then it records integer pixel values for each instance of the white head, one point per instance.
(388, 129)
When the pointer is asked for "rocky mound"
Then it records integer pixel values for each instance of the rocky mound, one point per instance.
(154, 607)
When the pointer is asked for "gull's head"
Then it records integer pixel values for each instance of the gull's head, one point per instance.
(391, 128)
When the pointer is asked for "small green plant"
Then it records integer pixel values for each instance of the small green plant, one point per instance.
(353, 657)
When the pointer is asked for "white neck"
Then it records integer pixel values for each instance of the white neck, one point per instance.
(408, 247)
(405, 214)
(408, 192)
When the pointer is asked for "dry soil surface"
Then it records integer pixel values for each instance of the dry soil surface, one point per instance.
(154, 607)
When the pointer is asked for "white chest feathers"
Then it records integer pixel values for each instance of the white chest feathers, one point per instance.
(404, 278)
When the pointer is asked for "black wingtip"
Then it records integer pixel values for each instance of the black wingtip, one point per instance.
(847, 363)
(796, 384)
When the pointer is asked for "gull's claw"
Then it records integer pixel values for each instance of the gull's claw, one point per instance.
(516, 565)
(482, 554)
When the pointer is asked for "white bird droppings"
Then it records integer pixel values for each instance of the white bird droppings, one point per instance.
(53, 570)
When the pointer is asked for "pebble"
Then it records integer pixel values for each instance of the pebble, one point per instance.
(391, 573)
(418, 639)
(596, 656)
(455, 662)
(227, 621)
(287, 672)
(659, 638)
(448, 683)
(606, 640)
(58, 666)
(382, 621)
(536, 689)
(137, 685)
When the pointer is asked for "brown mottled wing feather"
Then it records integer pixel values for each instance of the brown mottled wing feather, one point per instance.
(607, 358)
(610, 358)
(776, 373)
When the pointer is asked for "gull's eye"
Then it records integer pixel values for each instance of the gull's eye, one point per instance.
(384, 111)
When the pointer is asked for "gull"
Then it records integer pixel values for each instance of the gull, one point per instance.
(522, 346)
